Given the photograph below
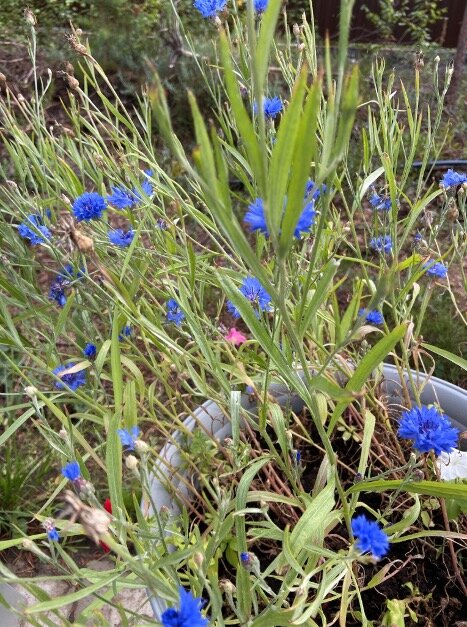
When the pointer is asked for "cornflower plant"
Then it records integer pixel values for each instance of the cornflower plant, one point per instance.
(127, 256)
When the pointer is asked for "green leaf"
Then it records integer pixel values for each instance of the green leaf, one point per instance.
(368, 182)
(304, 152)
(455, 359)
(320, 294)
(366, 367)
(265, 39)
(240, 114)
(68, 599)
(290, 375)
(442, 489)
(282, 157)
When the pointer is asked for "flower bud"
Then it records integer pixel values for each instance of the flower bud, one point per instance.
(31, 391)
(28, 544)
(131, 462)
(296, 30)
(141, 447)
(198, 558)
(227, 586)
(73, 83)
(30, 17)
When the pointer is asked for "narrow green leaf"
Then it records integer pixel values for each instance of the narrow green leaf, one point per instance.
(304, 152)
(283, 155)
(442, 489)
(69, 599)
(265, 39)
(366, 367)
(455, 359)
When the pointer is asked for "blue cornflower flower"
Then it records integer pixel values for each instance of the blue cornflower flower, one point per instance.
(437, 269)
(125, 332)
(272, 107)
(379, 203)
(90, 350)
(306, 219)
(309, 188)
(121, 238)
(245, 557)
(382, 244)
(71, 471)
(210, 8)
(453, 179)
(146, 185)
(88, 206)
(128, 437)
(261, 5)
(188, 613)
(429, 429)
(51, 530)
(62, 281)
(32, 234)
(296, 456)
(73, 380)
(255, 217)
(174, 313)
(57, 293)
(372, 317)
(53, 534)
(124, 198)
(370, 537)
(254, 292)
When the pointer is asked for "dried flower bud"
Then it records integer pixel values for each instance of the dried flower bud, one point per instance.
(79, 32)
(427, 217)
(76, 44)
(418, 475)
(69, 68)
(84, 488)
(21, 99)
(95, 523)
(98, 160)
(453, 211)
(227, 586)
(63, 434)
(296, 30)
(82, 242)
(30, 17)
(2, 80)
(65, 199)
(73, 83)
(437, 59)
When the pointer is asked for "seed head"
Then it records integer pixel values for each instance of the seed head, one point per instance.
(30, 17)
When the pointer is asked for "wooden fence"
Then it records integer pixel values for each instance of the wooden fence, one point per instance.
(326, 13)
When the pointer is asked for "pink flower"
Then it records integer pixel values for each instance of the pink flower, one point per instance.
(235, 337)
